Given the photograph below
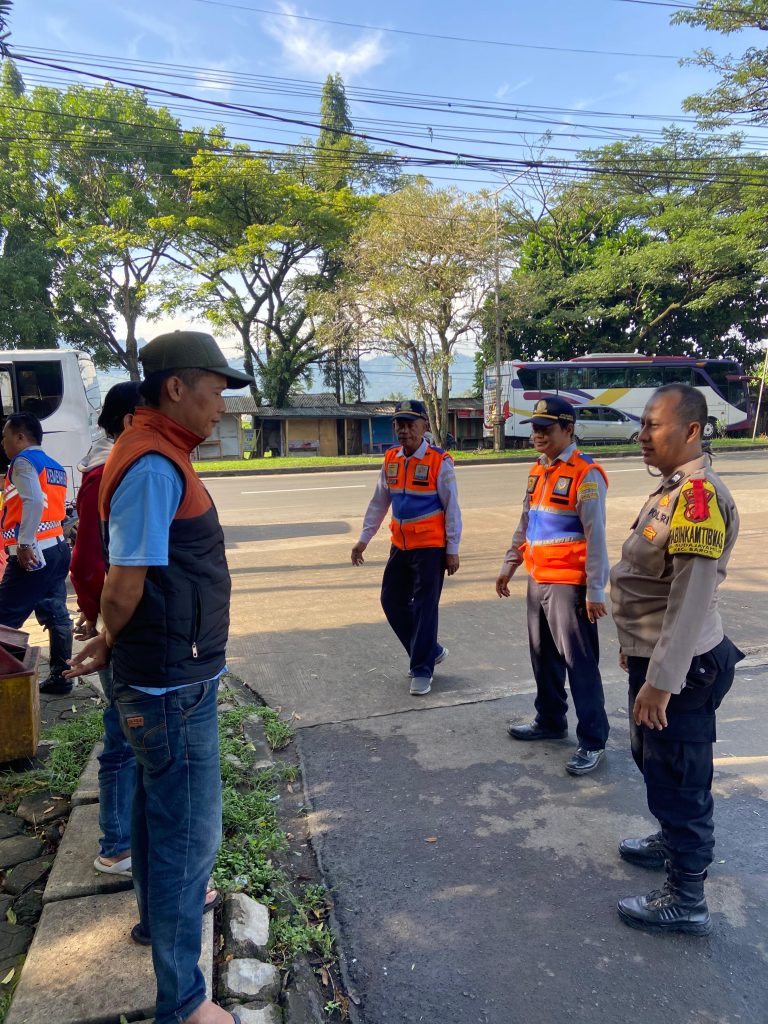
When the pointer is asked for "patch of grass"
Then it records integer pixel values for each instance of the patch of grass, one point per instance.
(74, 741)
(252, 838)
(375, 461)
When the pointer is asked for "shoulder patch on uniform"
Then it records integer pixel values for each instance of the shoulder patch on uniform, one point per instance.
(697, 526)
(588, 491)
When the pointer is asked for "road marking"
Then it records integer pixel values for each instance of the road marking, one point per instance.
(295, 490)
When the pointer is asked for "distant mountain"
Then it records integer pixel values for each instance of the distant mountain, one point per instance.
(386, 375)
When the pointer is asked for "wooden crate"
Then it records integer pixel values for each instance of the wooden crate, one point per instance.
(19, 706)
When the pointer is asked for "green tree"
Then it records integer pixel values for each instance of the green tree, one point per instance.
(743, 85)
(5, 11)
(251, 250)
(662, 250)
(418, 274)
(85, 171)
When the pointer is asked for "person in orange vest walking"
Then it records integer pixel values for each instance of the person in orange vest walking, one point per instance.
(418, 481)
(35, 577)
(561, 540)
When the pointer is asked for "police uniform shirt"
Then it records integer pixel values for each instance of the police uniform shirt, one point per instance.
(590, 508)
(664, 589)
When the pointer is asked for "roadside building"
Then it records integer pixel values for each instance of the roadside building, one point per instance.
(319, 425)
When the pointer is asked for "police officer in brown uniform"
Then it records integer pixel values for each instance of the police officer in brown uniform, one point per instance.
(680, 663)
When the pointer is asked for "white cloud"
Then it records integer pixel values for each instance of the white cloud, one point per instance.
(309, 47)
(506, 89)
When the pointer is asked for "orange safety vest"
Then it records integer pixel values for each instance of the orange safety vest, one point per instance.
(418, 517)
(555, 549)
(53, 482)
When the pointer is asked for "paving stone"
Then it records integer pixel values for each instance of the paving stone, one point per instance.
(17, 849)
(246, 926)
(73, 873)
(25, 875)
(42, 807)
(83, 966)
(259, 1014)
(9, 826)
(14, 939)
(246, 980)
(253, 730)
(87, 791)
(28, 907)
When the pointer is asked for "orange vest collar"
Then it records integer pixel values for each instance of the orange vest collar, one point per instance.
(174, 432)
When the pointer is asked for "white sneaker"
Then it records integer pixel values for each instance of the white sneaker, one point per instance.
(421, 685)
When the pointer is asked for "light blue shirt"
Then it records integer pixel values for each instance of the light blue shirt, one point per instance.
(140, 517)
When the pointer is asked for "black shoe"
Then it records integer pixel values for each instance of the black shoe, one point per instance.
(584, 761)
(679, 907)
(57, 685)
(650, 852)
(534, 731)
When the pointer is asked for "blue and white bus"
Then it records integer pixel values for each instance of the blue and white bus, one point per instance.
(60, 387)
(620, 381)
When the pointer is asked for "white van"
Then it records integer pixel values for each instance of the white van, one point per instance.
(60, 387)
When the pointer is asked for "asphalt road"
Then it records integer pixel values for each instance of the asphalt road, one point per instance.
(474, 880)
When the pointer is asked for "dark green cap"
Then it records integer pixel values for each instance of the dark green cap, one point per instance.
(189, 350)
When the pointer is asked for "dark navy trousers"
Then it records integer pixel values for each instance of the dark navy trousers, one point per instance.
(410, 595)
(564, 641)
(676, 762)
(43, 592)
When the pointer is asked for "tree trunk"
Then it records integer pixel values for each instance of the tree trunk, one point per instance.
(131, 346)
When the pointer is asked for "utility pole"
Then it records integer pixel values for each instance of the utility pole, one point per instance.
(760, 393)
(498, 418)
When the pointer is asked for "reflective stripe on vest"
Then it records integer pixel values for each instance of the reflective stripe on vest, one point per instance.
(418, 518)
(555, 549)
(53, 483)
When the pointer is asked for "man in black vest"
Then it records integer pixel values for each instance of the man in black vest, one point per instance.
(165, 607)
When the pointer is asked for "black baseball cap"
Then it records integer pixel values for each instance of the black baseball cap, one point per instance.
(411, 410)
(551, 410)
(189, 350)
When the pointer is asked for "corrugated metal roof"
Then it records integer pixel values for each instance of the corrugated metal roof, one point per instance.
(324, 406)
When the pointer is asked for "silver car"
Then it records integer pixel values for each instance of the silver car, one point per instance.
(600, 424)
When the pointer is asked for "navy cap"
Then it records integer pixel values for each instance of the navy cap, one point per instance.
(411, 410)
(551, 410)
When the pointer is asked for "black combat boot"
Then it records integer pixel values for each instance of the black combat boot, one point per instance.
(679, 907)
(650, 852)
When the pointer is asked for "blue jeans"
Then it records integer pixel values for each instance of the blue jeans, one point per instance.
(176, 830)
(117, 779)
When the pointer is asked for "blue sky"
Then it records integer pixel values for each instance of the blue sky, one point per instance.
(211, 42)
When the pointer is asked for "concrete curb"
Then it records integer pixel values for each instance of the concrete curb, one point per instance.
(372, 466)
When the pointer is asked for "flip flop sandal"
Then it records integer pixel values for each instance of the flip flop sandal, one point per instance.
(141, 939)
(212, 904)
(120, 867)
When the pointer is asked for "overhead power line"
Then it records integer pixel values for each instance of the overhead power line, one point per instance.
(436, 35)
